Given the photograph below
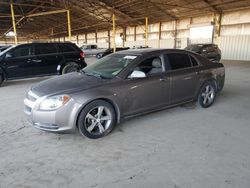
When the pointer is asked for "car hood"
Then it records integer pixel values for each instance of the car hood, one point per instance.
(66, 84)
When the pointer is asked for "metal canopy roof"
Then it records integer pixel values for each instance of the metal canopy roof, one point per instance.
(92, 15)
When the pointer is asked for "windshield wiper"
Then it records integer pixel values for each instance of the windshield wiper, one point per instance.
(93, 74)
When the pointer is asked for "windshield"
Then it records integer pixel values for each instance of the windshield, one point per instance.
(109, 66)
(194, 48)
(3, 52)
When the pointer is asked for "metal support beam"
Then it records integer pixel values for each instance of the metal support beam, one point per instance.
(114, 33)
(135, 33)
(13, 21)
(86, 38)
(175, 34)
(96, 40)
(109, 38)
(69, 24)
(159, 39)
(124, 36)
(46, 13)
(146, 31)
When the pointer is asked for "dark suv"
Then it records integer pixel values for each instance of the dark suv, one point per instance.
(37, 59)
(210, 51)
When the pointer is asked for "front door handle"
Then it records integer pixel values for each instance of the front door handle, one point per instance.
(162, 79)
(37, 60)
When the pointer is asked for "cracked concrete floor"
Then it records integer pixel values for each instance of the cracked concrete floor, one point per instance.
(175, 148)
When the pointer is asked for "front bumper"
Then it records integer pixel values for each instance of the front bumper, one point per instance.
(63, 119)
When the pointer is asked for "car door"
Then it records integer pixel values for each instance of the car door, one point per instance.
(47, 58)
(18, 62)
(150, 92)
(184, 77)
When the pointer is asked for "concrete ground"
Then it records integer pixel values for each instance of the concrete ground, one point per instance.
(183, 147)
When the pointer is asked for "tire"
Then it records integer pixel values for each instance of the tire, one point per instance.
(90, 123)
(218, 58)
(207, 94)
(1, 80)
(98, 56)
(70, 67)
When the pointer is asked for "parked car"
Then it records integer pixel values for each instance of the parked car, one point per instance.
(109, 51)
(2, 48)
(122, 85)
(140, 46)
(210, 51)
(37, 59)
(91, 49)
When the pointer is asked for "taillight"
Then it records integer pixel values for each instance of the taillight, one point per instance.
(82, 54)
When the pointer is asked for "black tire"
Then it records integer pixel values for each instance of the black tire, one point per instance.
(207, 94)
(1, 80)
(91, 125)
(70, 67)
(98, 56)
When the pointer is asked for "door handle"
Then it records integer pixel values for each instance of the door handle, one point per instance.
(37, 60)
(162, 79)
(197, 72)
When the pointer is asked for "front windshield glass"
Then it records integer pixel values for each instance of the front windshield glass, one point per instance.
(109, 66)
(1, 53)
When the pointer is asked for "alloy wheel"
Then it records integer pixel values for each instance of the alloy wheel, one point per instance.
(98, 120)
(208, 95)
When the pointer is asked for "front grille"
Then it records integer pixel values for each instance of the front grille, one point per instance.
(27, 109)
(29, 102)
(31, 96)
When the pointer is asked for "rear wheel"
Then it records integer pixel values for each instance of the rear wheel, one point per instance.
(70, 67)
(207, 94)
(1, 79)
(97, 119)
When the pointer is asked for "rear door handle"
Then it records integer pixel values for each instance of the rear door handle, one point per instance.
(162, 79)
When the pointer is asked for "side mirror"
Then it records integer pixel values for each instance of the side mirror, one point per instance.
(8, 55)
(137, 74)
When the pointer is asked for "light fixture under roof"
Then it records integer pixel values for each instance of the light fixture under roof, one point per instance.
(10, 34)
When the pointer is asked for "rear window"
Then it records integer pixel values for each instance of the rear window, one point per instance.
(179, 61)
(193, 60)
(45, 49)
(194, 48)
(66, 48)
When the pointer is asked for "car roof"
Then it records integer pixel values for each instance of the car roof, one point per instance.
(208, 44)
(148, 50)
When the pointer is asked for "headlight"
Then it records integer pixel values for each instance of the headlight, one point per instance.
(54, 102)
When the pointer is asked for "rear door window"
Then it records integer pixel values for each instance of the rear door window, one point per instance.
(45, 49)
(66, 48)
(178, 61)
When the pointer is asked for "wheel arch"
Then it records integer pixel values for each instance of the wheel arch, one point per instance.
(114, 105)
(203, 83)
(3, 73)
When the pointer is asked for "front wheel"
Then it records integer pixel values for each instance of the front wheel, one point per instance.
(97, 119)
(207, 94)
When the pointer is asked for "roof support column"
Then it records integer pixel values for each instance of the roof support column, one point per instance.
(146, 31)
(159, 39)
(13, 21)
(114, 33)
(69, 24)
